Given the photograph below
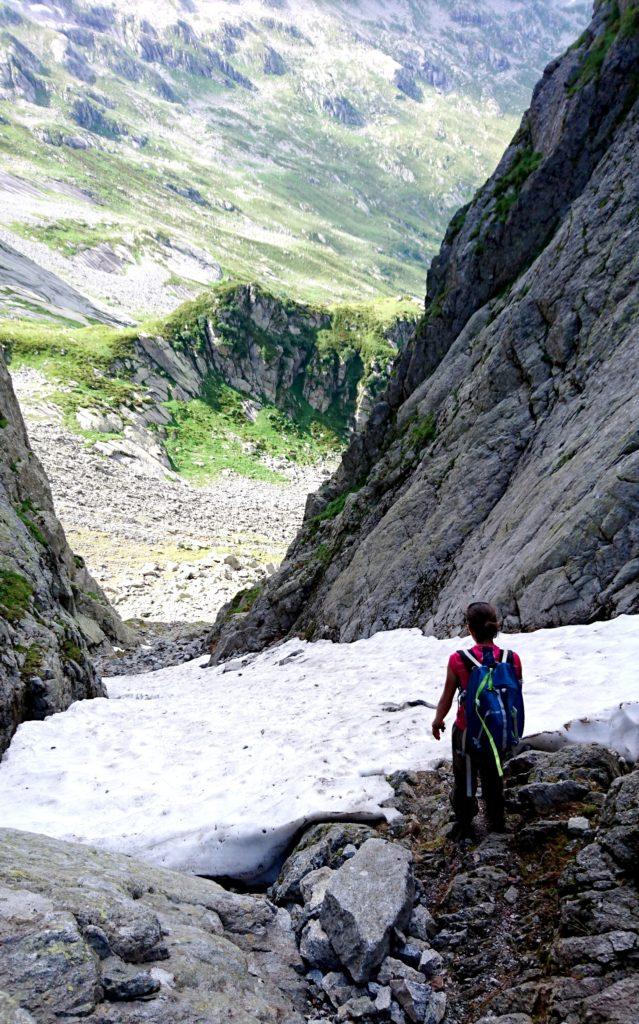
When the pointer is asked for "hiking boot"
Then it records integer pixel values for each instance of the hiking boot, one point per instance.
(497, 826)
(462, 833)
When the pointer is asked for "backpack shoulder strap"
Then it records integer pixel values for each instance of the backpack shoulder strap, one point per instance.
(505, 656)
(469, 660)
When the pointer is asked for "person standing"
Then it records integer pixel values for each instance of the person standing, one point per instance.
(489, 719)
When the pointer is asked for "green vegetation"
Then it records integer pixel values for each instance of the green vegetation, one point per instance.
(32, 664)
(509, 186)
(362, 330)
(79, 359)
(4, 422)
(333, 508)
(25, 510)
(15, 595)
(629, 21)
(68, 236)
(243, 601)
(424, 432)
(618, 25)
(71, 651)
(213, 433)
(457, 223)
(323, 554)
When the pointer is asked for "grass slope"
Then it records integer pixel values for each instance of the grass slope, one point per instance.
(90, 367)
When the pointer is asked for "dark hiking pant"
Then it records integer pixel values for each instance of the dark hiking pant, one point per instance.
(467, 769)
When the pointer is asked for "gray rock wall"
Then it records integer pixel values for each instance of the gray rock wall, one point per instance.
(51, 611)
(132, 943)
(503, 460)
(272, 351)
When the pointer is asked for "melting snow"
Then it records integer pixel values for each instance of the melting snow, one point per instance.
(213, 771)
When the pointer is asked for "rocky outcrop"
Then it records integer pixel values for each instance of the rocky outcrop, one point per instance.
(89, 115)
(369, 896)
(21, 72)
(100, 937)
(329, 362)
(51, 611)
(274, 63)
(26, 279)
(502, 461)
(341, 109)
(538, 923)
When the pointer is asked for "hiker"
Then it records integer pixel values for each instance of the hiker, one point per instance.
(489, 722)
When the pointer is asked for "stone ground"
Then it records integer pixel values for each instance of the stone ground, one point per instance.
(534, 926)
(167, 553)
(398, 924)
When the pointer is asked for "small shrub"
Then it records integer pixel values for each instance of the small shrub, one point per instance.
(23, 511)
(333, 508)
(509, 186)
(32, 664)
(15, 595)
(71, 651)
(424, 432)
(323, 554)
(244, 600)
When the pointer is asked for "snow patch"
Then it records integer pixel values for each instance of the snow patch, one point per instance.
(213, 771)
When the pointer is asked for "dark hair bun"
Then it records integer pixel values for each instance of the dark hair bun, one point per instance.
(483, 621)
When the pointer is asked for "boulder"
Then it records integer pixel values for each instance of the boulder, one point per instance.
(619, 827)
(541, 797)
(316, 949)
(322, 846)
(44, 962)
(616, 1004)
(418, 1001)
(75, 922)
(338, 988)
(422, 923)
(122, 985)
(357, 1009)
(313, 887)
(369, 896)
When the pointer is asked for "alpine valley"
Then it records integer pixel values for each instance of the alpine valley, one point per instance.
(249, 483)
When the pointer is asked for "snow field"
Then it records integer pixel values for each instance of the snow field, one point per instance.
(214, 770)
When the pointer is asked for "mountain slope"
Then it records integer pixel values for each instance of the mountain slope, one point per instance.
(232, 378)
(51, 611)
(320, 147)
(503, 460)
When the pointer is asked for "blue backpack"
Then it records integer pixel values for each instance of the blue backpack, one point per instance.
(494, 704)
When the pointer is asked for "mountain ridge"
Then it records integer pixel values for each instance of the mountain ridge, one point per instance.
(331, 149)
(483, 469)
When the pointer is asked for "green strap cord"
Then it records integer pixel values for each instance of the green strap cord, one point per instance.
(487, 682)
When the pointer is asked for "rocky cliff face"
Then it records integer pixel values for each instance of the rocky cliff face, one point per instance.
(503, 459)
(51, 611)
(300, 358)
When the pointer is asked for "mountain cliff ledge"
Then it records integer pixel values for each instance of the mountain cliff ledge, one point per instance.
(52, 613)
(503, 459)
